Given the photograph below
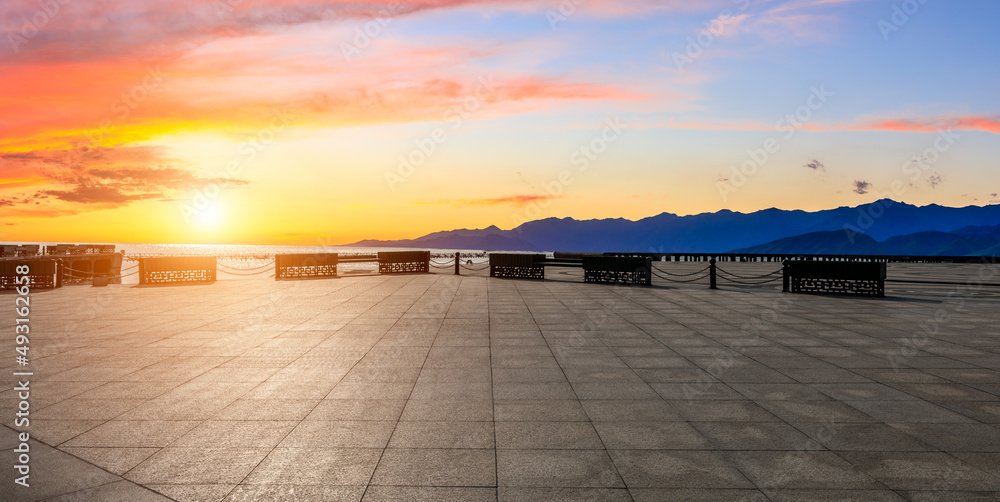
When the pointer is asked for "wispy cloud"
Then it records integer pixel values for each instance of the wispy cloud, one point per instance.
(968, 123)
(512, 200)
(861, 187)
(208, 91)
(83, 31)
(107, 177)
(816, 165)
(915, 125)
(796, 21)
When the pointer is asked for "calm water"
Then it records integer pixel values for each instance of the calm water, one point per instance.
(229, 250)
(237, 262)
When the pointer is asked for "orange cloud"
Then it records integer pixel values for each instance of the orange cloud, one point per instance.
(101, 177)
(218, 88)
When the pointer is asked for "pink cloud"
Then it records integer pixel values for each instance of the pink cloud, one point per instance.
(512, 200)
(95, 30)
(966, 123)
(219, 87)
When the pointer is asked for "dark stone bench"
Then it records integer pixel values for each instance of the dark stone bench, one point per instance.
(398, 262)
(612, 269)
(835, 277)
(41, 273)
(21, 250)
(517, 265)
(177, 269)
(291, 266)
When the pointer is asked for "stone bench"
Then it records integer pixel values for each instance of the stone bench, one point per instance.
(517, 265)
(41, 273)
(290, 266)
(834, 277)
(614, 269)
(177, 269)
(398, 262)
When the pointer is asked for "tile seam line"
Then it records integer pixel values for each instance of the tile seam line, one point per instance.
(381, 455)
(577, 396)
(271, 450)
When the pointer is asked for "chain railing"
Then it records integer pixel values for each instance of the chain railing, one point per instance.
(457, 262)
(267, 267)
(657, 273)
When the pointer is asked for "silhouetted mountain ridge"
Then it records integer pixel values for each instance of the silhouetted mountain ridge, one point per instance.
(727, 230)
(929, 243)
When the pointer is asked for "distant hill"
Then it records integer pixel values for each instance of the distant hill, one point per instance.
(825, 242)
(984, 242)
(726, 230)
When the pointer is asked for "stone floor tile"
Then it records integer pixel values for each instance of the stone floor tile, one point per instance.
(436, 467)
(557, 469)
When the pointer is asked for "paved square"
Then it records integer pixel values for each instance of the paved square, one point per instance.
(440, 387)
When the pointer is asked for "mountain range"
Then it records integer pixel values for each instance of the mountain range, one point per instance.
(881, 227)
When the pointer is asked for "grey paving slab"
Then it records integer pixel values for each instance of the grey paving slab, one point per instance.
(755, 436)
(520, 435)
(656, 435)
(424, 434)
(522, 494)
(133, 434)
(195, 492)
(697, 495)
(437, 467)
(429, 493)
(180, 466)
(56, 474)
(557, 468)
(436, 387)
(834, 495)
(677, 469)
(306, 493)
(315, 466)
(539, 410)
(930, 471)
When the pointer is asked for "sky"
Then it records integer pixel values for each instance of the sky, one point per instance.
(328, 122)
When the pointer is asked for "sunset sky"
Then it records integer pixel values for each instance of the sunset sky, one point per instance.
(327, 122)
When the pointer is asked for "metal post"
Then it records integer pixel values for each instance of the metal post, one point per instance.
(784, 276)
(711, 272)
(458, 257)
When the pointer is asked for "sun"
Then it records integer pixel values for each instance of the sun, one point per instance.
(211, 217)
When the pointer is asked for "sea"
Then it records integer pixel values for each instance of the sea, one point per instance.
(244, 261)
